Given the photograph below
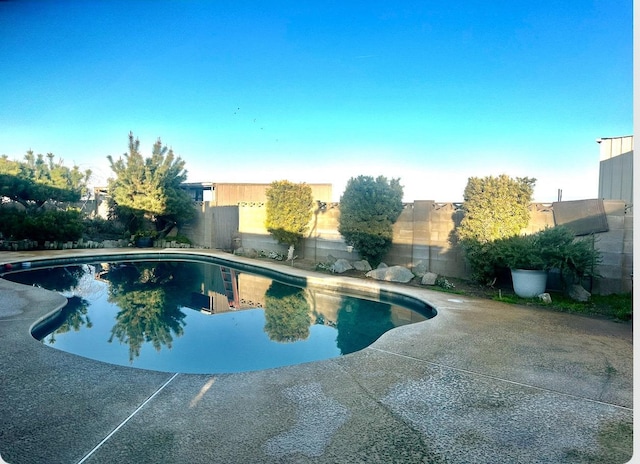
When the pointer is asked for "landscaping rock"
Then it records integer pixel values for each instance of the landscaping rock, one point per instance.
(362, 265)
(382, 266)
(545, 298)
(392, 274)
(341, 265)
(578, 293)
(420, 269)
(429, 278)
(331, 259)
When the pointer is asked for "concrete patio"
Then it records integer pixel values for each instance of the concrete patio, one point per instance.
(481, 382)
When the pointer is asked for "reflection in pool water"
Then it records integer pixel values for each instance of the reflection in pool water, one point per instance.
(178, 316)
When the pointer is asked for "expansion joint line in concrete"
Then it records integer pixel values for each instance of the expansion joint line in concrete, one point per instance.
(88, 455)
(500, 379)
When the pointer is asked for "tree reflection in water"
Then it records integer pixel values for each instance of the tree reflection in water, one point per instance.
(149, 296)
(360, 323)
(287, 313)
(56, 279)
(63, 280)
(74, 315)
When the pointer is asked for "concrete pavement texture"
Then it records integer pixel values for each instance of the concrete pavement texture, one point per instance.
(481, 382)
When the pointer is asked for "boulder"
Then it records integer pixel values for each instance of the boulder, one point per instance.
(420, 269)
(429, 278)
(341, 265)
(331, 259)
(392, 274)
(578, 293)
(362, 265)
(545, 298)
(250, 253)
(382, 266)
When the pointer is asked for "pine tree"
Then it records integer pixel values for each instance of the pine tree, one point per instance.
(148, 189)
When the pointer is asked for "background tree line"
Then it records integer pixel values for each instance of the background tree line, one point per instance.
(145, 198)
(36, 194)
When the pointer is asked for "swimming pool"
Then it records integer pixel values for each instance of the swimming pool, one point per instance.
(202, 317)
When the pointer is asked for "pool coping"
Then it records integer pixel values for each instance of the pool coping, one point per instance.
(572, 367)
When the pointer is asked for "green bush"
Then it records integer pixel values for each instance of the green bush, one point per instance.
(550, 248)
(41, 225)
(289, 211)
(368, 209)
(495, 207)
(484, 259)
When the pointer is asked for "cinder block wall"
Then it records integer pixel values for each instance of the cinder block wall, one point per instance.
(616, 247)
(425, 232)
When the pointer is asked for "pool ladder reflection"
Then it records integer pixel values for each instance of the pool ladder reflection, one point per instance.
(230, 282)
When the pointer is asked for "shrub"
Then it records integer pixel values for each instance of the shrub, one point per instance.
(289, 211)
(368, 209)
(41, 225)
(99, 229)
(484, 260)
(495, 207)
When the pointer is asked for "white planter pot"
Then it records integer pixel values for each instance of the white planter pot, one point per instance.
(528, 284)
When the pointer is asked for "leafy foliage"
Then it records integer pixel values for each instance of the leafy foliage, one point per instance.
(41, 225)
(368, 209)
(99, 229)
(550, 248)
(148, 189)
(289, 211)
(34, 181)
(495, 207)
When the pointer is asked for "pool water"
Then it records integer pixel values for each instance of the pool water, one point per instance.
(191, 317)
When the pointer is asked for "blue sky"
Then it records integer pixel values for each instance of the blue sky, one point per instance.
(432, 92)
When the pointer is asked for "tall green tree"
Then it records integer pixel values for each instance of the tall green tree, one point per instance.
(148, 189)
(289, 211)
(495, 207)
(368, 209)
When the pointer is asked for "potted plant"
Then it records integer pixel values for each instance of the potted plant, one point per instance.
(530, 257)
(524, 257)
(144, 238)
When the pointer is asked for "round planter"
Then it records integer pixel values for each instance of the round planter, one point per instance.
(528, 284)
(144, 242)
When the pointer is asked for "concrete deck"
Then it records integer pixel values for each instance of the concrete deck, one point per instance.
(482, 382)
